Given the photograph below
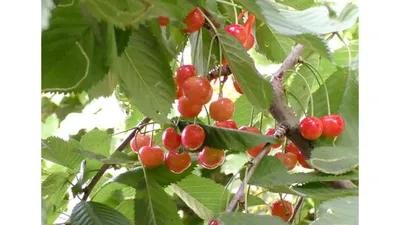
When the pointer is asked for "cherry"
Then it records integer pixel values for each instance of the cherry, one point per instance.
(226, 124)
(270, 132)
(198, 90)
(249, 24)
(311, 128)
(289, 159)
(253, 152)
(140, 141)
(193, 137)
(238, 31)
(224, 62)
(211, 158)
(300, 158)
(194, 21)
(248, 44)
(212, 222)
(236, 85)
(187, 108)
(333, 125)
(177, 163)
(171, 140)
(277, 209)
(179, 92)
(183, 73)
(151, 156)
(222, 109)
(163, 20)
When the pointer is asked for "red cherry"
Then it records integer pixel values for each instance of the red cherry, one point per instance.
(224, 62)
(193, 137)
(212, 222)
(211, 158)
(163, 20)
(171, 140)
(226, 124)
(300, 158)
(183, 73)
(238, 31)
(277, 209)
(249, 24)
(311, 128)
(177, 163)
(198, 90)
(179, 92)
(270, 132)
(187, 108)
(333, 125)
(222, 109)
(289, 159)
(236, 85)
(151, 156)
(140, 141)
(249, 42)
(194, 21)
(253, 152)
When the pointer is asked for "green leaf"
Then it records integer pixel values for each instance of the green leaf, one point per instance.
(255, 87)
(273, 45)
(315, 190)
(94, 213)
(338, 211)
(272, 172)
(298, 4)
(237, 218)
(115, 158)
(229, 139)
(334, 160)
(315, 43)
(127, 208)
(62, 152)
(341, 55)
(122, 39)
(233, 162)
(154, 207)
(199, 58)
(76, 51)
(97, 141)
(242, 114)
(50, 125)
(145, 76)
(105, 87)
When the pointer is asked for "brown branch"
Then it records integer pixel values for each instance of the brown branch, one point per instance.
(296, 208)
(105, 167)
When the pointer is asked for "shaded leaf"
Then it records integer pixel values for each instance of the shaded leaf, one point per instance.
(242, 114)
(105, 87)
(315, 43)
(338, 211)
(237, 218)
(50, 125)
(62, 152)
(341, 55)
(334, 160)
(127, 208)
(94, 213)
(298, 4)
(97, 141)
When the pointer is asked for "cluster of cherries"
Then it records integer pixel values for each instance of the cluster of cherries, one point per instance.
(311, 128)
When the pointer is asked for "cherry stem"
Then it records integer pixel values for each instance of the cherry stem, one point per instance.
(323, 83)
(210, 50)
(298, 206)
(124, 131)
(309, 90)
(208, 115)
(244, 189)
(196, 47)
(152, 135)
(298, 101)
(235, 11)
(251, 116)
(261, 120)
(283, 203)
(221, 85)
(208, 20)
(241, 14)
(230, 3)
(348, 52)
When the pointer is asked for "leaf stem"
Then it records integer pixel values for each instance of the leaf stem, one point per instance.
(283, 203)
(208, 115)
(209, 21)
(309, 90)
(210, 50)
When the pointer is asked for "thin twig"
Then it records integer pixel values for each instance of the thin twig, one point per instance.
(296, 208)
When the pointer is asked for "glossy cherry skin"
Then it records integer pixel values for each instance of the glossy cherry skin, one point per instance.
(163, 20)
(140, 141)
(151, 156)
(171, 140)
(311, 128)
(212, 222)
(183, 73)
(238, 31)
(270, 132)
(194, 21)
(177, 163)
(277, 209)
(198, 90)
(333, 125)
(300, 158)
(289, 159)
(187, 108)
(253, 152)
(236, 85)
(249, 42)
(193, 137)
(226, 124)
(222, 109)
(211, 158)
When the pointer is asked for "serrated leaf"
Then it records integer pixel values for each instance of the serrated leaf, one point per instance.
(334, 160)
(318, 191)
(338, 211)
(127, 208)
(298, 4)
(233, 162)
(62, 152)
(97, 141)
(242, 114)
(145, 76)
(154, 207)
(94, 213)
(105, 87)
(238, 218)
(115, 158)
(315, 43)
(110, 194)
(122, 39)
(50, 125)
(341, 55)
(273, 45)
(255, 87)
(272, 172)
(197, 54)
(229, 139)
(76, 51)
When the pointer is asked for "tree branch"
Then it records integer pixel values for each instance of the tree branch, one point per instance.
(296, 208)
(105, 167)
